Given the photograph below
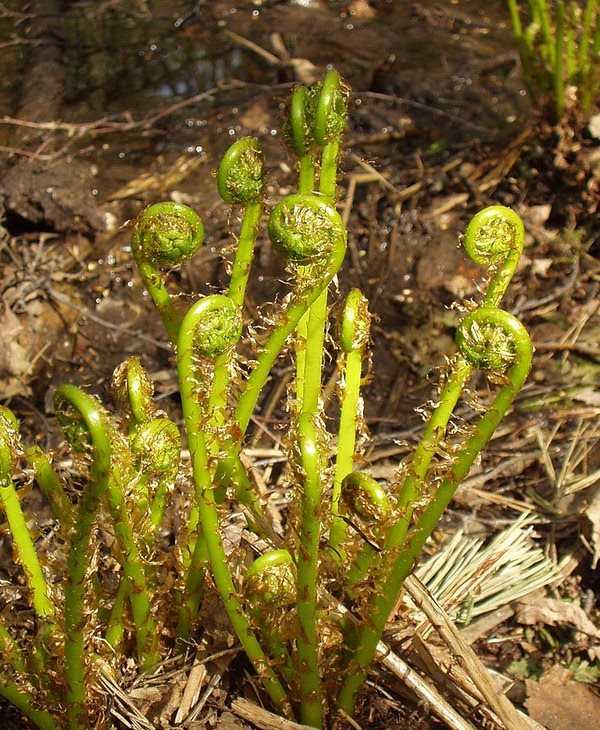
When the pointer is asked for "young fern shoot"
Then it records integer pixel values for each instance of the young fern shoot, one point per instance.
(211, 327)
(356, 323)
(311, 657)
(164, 236)
(492, 340)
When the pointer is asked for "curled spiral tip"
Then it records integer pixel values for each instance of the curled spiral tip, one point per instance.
(240, 178)
(271, 579)
(494, 340)
(218, 331)
(166, 234)
(132, 389)
(72, 421)
(211, 326)
(86, 425)
(493, 234)
(327, 108)
(365, 497)
(356, 321)
(305, 228)
(9, 443)
(157, 444)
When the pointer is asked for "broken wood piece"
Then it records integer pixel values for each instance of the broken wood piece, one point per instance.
(262, 718)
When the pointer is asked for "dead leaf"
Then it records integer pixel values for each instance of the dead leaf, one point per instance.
(560, 703)
(554, 612)
(228, 721)
(15, 356)
(162, 181)
(361, 9)
(540, 267)
(589, 396)
(306, 72)
(538, 214)
(256, 118)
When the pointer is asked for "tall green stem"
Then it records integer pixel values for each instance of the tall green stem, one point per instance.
(207, 509)
(240, 181)
(78, 561)
(25, 550)
(355, 333)
(317, 228)
(50, 486)
(17, 697)
(475, 336)
(134, 574)
(20, 534)
(307, 562)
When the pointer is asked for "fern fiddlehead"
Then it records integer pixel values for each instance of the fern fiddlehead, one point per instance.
(210, 329)
(365, 500)
(308, 231)
(132, 391)
(86, 426)
(21, 536)
(354, 337)
(164, 236)
(270, 592)
(310, 234)
(240, 181)
(211, 326)
(494, 238)
(488, 338)
(80, 414)
(317, 121)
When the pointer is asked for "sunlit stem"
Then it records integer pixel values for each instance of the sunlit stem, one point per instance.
(365, 499)
(207, 509)
(115, 631)
(157, 288)
(50, 486)
(237, 291)
(307, 561)
(78, 559)
(540, 9)
(515, 18)
(10, 651)
(390, 582)
(25, 550)
(426, 449)
(306, 185)
(585, 44)
(355, 330)
(269, 587)
(194, 588)
(288, 322)
(310, 365)
(18, 697)
(134, 573)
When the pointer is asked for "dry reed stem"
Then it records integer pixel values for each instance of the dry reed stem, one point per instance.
(478, 673)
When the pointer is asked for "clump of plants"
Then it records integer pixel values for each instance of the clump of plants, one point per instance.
(310, 610)
(559, 46)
